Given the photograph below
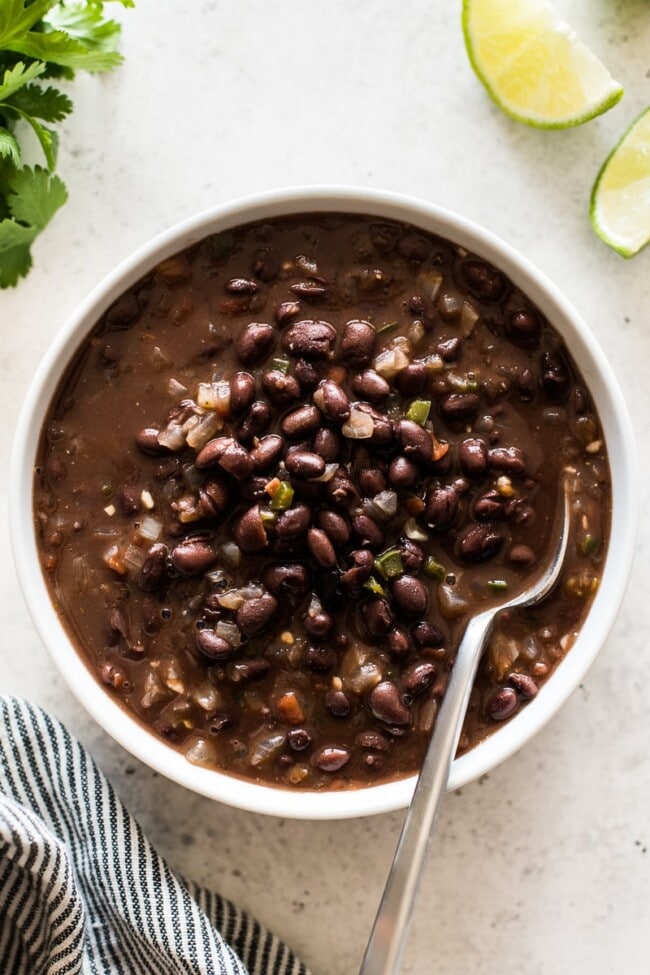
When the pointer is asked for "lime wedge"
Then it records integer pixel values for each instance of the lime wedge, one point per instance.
(620, 199)
(533, 64)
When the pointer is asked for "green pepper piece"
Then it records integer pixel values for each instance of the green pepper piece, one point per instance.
(283, 497)
(589, 544)
(389, 564)
(434, 569)
(387, 327)
(281, 365)
(375, 587)
(419, 411)
(497, 585)
(267, 517)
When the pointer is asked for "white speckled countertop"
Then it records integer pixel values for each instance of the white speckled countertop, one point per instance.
(542, 866)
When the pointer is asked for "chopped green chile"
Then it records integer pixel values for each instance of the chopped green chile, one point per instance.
(274, 628)
(419, 411)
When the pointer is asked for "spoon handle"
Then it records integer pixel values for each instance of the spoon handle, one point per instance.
(388, 936)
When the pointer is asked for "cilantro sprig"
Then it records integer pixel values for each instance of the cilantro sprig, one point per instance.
(41, 40)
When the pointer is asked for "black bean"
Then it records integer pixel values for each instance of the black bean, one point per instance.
(147, 441)
(371, 386)
(242, 392)
(338, 703)
(386, 704)
(410, 595)
(256, 614)
(411, 554)
(327, 443)
(442, 506)
(265, 267)
(286, 311)
(425, 634)
(236, 460)
(473, 456)
(371, 481)
(341, 490)
(213, 497)
(171, 467)
(521, 555)
(286, 577)
(304, 463)
(510, 460)
(309, 290)
(382, 425)
(301, 422)
(268, 452)
(241, 286)
(479, 543)
(250, 533)
(373, 740)
(483, 280)
(213, 646)
(293, 523)
(129, 499)
(489, 506)
(330, 758)
(332, 400)
(368, 531)
(281, 387)
(524, 685)
(449, 350)
(402, 472)
(412, 380)
(377, 615)
(321, 659)
(192, 556)
(357, 343)
(335, 527)
(123, 313)
(458, 407)
(152, 573)
(210, 455)
(418, 677)
(309, 340)
(321, 548)
(397, 642)
(255, 343)
(299, 739)
(307, 374)
(555, 377)
(255, 422)
(523, 327)
(317, 624)
(253, 668)
(254, 489)
(526, 385)
(359, 571)
(503, 704)
(417, 443)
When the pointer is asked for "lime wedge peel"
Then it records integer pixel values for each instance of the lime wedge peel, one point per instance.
(620, 199)
(533, 64)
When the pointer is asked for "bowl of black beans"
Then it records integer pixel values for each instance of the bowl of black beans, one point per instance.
(276, 461)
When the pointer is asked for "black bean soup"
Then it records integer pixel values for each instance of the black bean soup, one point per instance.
(285, 468)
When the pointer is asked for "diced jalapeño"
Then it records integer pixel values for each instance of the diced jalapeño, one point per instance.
(282, 497)
(419, 411)
(389, 564)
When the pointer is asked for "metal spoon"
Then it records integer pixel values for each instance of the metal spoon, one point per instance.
(387, 939)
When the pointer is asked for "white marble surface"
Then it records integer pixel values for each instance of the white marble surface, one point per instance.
(542, 867)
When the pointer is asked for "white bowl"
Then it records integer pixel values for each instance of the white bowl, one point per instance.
(504, 742)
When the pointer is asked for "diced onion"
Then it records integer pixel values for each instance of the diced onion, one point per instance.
(150, 528)
(214, 396)
(159, 360)
(79, 575)
(200, 751)
(230, 554)
(232, 599)
(207, 697)
(391, 361)
(173, 436)
(175, 388)
(229, 632)
(202, 431)
(468, 318)
(429, 282)
(451, 602)
(330, 471)
(359, 426)
(450, 305)
(413, 531)
(264, 747)
(133, 557)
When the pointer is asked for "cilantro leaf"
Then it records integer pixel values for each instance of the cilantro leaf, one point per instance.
(9, 147)
(19, 16)
(59, 47)
(48, 104)
(17, 76)
(34, 199)
(47, 138)
(83, 21)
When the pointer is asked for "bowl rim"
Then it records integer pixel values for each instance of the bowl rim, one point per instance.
(595, 368)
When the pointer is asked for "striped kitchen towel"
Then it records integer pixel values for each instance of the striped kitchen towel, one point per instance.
(83, 891)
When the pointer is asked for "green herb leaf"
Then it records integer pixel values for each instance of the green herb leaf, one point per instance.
(47, 138)
(19, 16)
(21, 73)
(9, 147)
(59, 47)
(48, 104)
(34, 199)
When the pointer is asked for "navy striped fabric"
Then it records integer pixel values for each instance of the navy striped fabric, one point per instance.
(81, 888)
